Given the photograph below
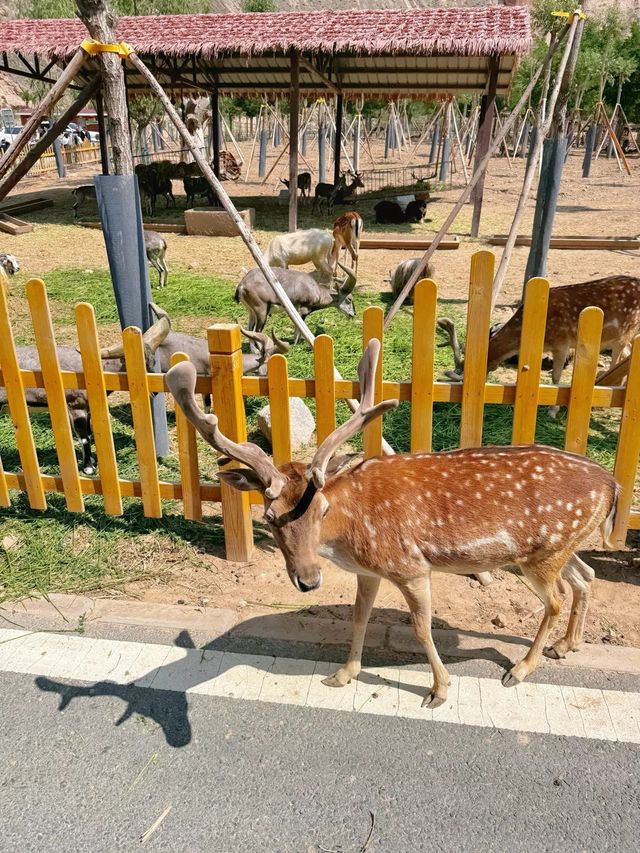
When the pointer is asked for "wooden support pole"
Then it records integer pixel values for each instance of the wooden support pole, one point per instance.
(215, 130)
(338, 140)
(102, 132)
(8, 182)
(44, 108)
(294, 108)
(479, 171)
(487, 110)
(101, 24)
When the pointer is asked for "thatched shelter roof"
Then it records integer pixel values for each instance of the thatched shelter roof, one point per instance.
(417, 51)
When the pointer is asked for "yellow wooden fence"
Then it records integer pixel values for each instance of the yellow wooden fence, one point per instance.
(72, 155)
(229, 388)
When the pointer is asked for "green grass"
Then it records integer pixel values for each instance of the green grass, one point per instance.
(60, 551)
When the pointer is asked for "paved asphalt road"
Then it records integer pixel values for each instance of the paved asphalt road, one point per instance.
(248, 776)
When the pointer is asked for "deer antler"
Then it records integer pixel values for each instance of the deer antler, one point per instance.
(366, 412)
(152, 338)
(447, 326)
(348, 283)
(261, 339)
(181, 380)
(280, 346)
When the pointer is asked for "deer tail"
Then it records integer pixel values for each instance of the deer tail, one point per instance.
(609, 523)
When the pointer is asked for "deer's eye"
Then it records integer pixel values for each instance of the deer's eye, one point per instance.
(270, 516)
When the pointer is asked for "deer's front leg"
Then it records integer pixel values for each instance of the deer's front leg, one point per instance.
(417, 594)
(365, 597)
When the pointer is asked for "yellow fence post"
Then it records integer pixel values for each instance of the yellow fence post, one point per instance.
(534, 321)
(628, 450)
(279, 406)
(188, 458)
(18, 408)
(425, 301)
(585, 368)
(373, 327)
(476, 348)
(5, 500)
(87, 329)
(56, 400)
(142, 421)
(325, 387)
(225, 357)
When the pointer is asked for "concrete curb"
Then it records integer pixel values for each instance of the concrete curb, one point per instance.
(68, 612)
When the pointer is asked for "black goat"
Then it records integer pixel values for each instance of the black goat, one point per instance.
(391, 213)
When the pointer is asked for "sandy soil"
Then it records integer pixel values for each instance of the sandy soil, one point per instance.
(605, 205)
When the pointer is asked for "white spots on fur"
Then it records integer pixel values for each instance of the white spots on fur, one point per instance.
(508, 476)
(544, 530)
(559, 526)
(520, 523)
(502, 537)
(569, 506)
(445, 474)
(386, 504)
(575, 523)
(459, 502)
(539, 469)
(509, 493)
(593, 494)
(578, 512)
(370, 527)
(529, 540)
(549, 507)
(527, 511)
(555, 538)
(479, 496)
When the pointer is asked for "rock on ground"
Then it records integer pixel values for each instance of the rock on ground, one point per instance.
(301, 422)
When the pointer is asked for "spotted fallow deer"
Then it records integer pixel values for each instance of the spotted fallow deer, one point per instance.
(619, 298)
(402, 517)
(347, 232)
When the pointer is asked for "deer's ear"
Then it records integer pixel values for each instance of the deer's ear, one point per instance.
(339, 462)
(242, 479)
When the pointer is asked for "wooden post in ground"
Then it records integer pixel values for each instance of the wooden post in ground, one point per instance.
(338, 140)
(483, 140)
(101, 23)
(225, 348)
(215, 130)
(294, 107)
(8, 182)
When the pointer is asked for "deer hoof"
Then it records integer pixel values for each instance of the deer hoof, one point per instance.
(432, 700)
(89, 470)
(338, 679)
(553, 654)
(509, 679)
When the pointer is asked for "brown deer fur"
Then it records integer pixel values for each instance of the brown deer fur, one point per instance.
(347, 233)
(402, 517)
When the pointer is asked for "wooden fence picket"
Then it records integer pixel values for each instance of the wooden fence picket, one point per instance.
(425, 303)
(534, 320)
(187, 458)
(477, 343)
(87, 329)
(373, 327)
(325, 387)
(12, 380)
(5, 499)
(56, 400)
(225, 359)
(277, 371)
(142, 421)
(585, 368)
(628, 450)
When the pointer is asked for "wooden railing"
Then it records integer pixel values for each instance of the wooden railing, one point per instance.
(229, 389)
(76, 155)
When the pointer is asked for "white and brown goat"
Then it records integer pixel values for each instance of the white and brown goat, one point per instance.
(402, 517)
(619, 298)
(313, 245)
(347, 232)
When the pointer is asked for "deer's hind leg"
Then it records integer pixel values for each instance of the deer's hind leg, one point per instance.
(543, 576)
(579, 576)
(560, 355)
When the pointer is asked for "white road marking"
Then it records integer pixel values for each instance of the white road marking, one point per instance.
(390, 691)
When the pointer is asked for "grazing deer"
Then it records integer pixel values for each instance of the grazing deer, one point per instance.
(619, 298)
(347, 231)
(313, 245)
(400, 517)
(255, 292)
(304, 184)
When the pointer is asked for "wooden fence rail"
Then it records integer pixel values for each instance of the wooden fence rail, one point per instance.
(229, 388)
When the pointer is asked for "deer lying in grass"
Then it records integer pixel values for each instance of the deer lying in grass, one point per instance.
(402, 517)
(619, 298)
(198, 351)
(76, 398)
(255, 292)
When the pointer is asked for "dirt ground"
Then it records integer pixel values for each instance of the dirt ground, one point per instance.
(605, 205)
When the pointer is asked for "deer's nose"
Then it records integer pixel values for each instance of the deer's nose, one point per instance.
(308, 584)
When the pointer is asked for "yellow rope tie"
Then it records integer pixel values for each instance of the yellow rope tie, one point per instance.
(571, 15)
(92, 47)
